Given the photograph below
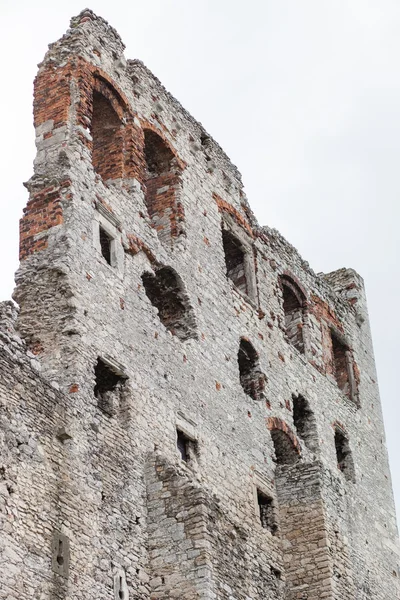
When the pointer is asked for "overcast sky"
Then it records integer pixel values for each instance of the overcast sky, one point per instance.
(303, 95)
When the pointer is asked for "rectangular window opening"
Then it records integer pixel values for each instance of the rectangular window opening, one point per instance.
(340, 363)
(105, 244)
(235, 261)
(266, 512)
(108, 387)
(182, 443)
(187, 447)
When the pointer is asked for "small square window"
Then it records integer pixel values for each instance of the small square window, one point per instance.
(105, 244)
(266, 512)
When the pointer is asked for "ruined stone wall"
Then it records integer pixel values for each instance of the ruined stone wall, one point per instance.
(133, 313)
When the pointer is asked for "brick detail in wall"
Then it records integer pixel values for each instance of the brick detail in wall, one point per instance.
(277, 423)
(52, 95)
(224, 206)
(42, 212)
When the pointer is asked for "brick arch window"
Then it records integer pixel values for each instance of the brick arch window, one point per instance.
(286, 445)
(344, 456)
(162, 184)
(294, 304)
(107, 132)
(252, 379)
(167, 293)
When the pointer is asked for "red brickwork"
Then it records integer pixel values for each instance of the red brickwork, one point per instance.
(162, 186)
(240, 219)
(42, 212)
(277, 423)
(52, 95)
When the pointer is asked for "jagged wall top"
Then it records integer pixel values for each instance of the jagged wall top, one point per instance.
(92, 38)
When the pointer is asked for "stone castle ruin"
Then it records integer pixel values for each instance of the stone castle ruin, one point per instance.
(187, 410)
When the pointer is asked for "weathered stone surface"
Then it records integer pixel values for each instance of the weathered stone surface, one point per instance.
(185, 406)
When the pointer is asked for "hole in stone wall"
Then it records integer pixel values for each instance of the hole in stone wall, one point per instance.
(305, 423)
(105, 244)
(343, 454)
(166, 292)
(108, 387)
(266, 512)
(340, 363)
(107, 153)
(60, 554)
(161, 186)
(182, 443)
(285, 452)
(293, 307)
(252, 379)
(60, 557)
(186, 446)
(234, 261)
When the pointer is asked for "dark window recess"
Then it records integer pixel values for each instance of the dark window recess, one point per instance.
(343, 454)
(60, 554)
(305, 423)
(186, 446)
(252, 379)
(166, 292)
(105, 244)
(161, 186)
(107, 153)
(182, 443)
(293, 309)
(285, 452)
(340, 364)
(108, 387)
(235, 261)
(266, 511)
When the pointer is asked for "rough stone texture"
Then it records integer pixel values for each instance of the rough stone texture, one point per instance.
(114, 350)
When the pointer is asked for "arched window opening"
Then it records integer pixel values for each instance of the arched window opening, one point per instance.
(343, 454)
(340, 355)
(252, 379)
(161, 187)
(166, 292)
(305, 423)
(235, 261)
(285, 451)
(293, 307)
(107, 152)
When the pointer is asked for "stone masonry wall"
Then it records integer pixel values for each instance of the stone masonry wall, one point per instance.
(132, 459)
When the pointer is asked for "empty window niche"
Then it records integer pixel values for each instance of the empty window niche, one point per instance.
(285, 450)
(266, 512)
(121, 591)
(186, 446)
(107, 133)
(109, 385)
(235, 261)
(106, 242)
(162, 181)
(293, 307)
(341, 363)
(60, 554)
(166, 292)
(343, 455)
(252, 379)
(305, 422)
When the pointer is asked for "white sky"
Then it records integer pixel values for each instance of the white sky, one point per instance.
(303, 95)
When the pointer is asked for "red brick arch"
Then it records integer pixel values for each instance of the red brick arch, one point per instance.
(278, 424)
